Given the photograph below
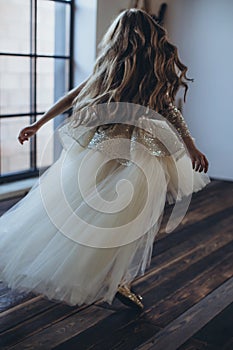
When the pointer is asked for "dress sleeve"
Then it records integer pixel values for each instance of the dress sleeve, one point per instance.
(175, 117)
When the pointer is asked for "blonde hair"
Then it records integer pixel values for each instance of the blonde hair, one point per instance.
(136, 64)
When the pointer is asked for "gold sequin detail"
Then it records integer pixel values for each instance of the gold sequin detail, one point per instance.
(152, 144)
(113, 141)
(118, 141)
(174, 116)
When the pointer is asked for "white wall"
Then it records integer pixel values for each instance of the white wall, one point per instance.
(107, 10)
(203, 30)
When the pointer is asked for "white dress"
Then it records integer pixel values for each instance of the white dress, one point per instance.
(90, 221)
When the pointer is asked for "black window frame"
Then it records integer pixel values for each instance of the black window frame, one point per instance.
(34, 171)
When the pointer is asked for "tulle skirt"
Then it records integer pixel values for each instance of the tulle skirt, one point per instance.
(89, 223)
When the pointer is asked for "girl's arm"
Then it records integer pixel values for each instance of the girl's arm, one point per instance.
(199, 160)
(59, 107)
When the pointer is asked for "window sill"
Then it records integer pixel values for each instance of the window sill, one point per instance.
(16, 188)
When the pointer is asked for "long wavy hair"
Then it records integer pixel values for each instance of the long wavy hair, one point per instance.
(136, 64)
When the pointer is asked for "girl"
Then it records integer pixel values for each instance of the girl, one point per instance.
(72, 238)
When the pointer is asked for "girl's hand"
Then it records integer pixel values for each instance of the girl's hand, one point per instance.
(199, 160)
(27, 132)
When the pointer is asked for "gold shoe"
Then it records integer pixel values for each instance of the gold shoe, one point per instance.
(127, 297)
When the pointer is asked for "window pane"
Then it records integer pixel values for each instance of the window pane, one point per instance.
(45, 83)
(56, 16)
(17, 83)
(52, 81)
(45, 143)
(15, 26)
(14, 156)
(14, 84)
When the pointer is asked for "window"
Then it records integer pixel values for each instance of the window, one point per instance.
(35, 70)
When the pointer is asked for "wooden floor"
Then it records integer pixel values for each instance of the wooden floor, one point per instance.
(187, 291)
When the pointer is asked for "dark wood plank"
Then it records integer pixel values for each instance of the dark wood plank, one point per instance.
(24, 311)
(219, 331)
(229, 345)
(122, 330)
(212, 199)
(163, 274)
(178, 252)
(115, 338)
(193, 344)
(182, 328)
(37, 322)
(62, 329)
(12, 298)
(215, 223)
(169, 308)
(156, 290)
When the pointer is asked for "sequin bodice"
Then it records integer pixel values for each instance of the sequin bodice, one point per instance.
(120, 141)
